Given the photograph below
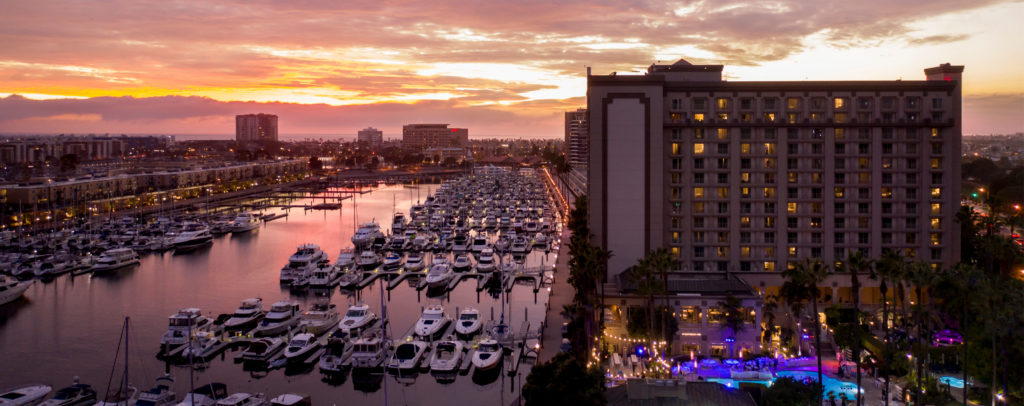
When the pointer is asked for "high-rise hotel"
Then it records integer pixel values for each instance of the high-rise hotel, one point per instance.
(747, 178)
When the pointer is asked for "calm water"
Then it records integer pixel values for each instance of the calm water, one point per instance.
(70, 326)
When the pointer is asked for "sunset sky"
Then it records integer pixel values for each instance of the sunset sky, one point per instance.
(498, 67)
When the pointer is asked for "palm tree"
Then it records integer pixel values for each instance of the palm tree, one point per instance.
(802, 283)
(732, 307)
(661, 261)
(888, 269)
(923, 278)
(648, 284)
(857, 264)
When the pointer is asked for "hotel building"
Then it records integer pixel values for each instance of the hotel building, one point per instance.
(743, 179)
(421, 136)
(255, 127)
(577, 139)
(370, 136)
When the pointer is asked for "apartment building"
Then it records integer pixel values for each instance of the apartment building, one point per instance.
(421, 136)
(370, 136)
(255, 127)
(748, 178)
(577, 138)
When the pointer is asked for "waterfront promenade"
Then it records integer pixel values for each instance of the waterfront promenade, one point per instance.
(561, 295)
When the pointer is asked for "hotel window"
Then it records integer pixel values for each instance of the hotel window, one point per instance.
(791, 177)
(698, 222)
(745, 177)
(698, 148)
(745, 207)
(698, 207)
(723, 133)
(839, 207)
(791, 207)
(840, 117)
(723, 207)
(723, 148)
(769, 148)
(675, 148)
(677, 133)
(698, 178)
(864, 102)
(937, 177)
(791, 118)
(936, 148)
(723, 192)
(769, 117)
(910, 252)
(769, 178)
(791, 193)
(886, 238)
(936, 223)
(793, 103)
(698, 252)
(698, 236)
(863, 208)
(936, 254)
(791, 163)
(746, 104)
(769, 103)
(936, 239)
(913, 102)
(816, 207)
(864, 178)
(911, 117)
(722, 103)
(769, 237)
(886, 177)
(677, 104)
(886, 163)
(675, 237)
(698, 133)
(816, 193)
(723, 116)
(744, 163)
(888, 103)
(769, 266)
(839, 238)
(911, 193)
(676, 193)
(698, 104)
(864, 163)
(677, 163)
(911, 208)
(698, 163)
(911, 222)
(745, 252)
(887, 147)
(936, 208)
(840, 192)
(745, 222)
(840, 148)
(816, 223)
(723, 163)
(840, 222)
(792, 251)
(936, 116)
(887, 193)
(936, 103)
(936, 192)
(744, 133)
(698, 117)
(840, 133)
(911, 178)
(839, 103)
(675, 117)
(769, 133)
(936, 163)
(816, 117)
(698, 192)
(723, 222)
(769, 193)
(816, 148)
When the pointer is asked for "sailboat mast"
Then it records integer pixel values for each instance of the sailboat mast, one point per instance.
(125, 388)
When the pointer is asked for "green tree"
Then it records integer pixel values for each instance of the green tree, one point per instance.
(801, 284)
(734, 319)
(564, 380)
(786, 391)
(648, 284)
(889, 269)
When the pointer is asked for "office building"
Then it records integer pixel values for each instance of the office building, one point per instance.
(255, 128)
(577, 138)
(747, 178)
(370, 136)
(422, 136)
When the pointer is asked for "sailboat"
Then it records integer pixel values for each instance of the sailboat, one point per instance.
(124, 394)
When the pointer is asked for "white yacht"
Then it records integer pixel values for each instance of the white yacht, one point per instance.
(247, 315)
(77, 394)
(520, 245)
(243, 399)
(398, 243)
(206, 395)
(356, 318)
(302, 262)
(244, 222)
(325, 276)
(366, 233)
(116, 258)
(336, 352)
(462, 263)
(202, 345)
(181, 324)
(25, 395)
(393, 261)
(300, 347)
(468, 323)
(432, 322)
(487, 355)
(479, 244)
(439, 275)
(407, 355)
(282, 317)
(460, 243)
(447, 356)
(368, 260)
(346, 258)
(485, 261)
(192, 236)
(291, 399)
(262, 349)
(540, 241)
(11, 289)
(350, 278)
(398, 223)
(319, 319)
(161, 395)
(503, 243)
(414, 262)
(421, 243)
(51, 267)
(370, 350)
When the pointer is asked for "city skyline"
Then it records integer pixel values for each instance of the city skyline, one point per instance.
(188, 69)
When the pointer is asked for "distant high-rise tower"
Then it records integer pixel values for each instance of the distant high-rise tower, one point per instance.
(370, 136)
(421, 136)
(577, 138)
(255, 127)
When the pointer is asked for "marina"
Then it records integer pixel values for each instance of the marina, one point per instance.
(312, 357)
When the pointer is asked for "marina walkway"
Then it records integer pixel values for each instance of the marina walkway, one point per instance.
(561, 295)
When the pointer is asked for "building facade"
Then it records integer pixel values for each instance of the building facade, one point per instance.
(577, 138)
(748, 178)
(370, 136)
(255, 127)
(422, 136)
(30, 149)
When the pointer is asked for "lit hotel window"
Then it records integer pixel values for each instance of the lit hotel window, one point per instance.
(887, 193)
(935, 133)
(744, 148)
(792, 251)
(936, 208)
(936, 239)
(840, 117)
(723, 192)
(722, 103)
(792, 118)
(936, 192)
(792, 103)
(723, 133)
(839, 102)
(675, 117)
(840, 133)
(769, 147)
(791, 207)
(698, 148)
(745, 252)
(698, 192)
(769, 117)
(675, 148)
(723, 116)
(840, 192)
(769, 266)
(936, 223)
(698, 117)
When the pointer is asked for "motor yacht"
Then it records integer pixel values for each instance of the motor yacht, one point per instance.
(393, 261)
(319, 319)
(192, 236)
(531, 226)
(447, 356)
(357, 318)
(243, 399)
(181, 324)
(244, 222)
(262, 349)
(503, 243)
(460, 243)
(421, 243)
(324, 276)
(116, 258)
(11, 289)
(160, 395)
(282, 317)
(350, 278)
(398, 223)
(336, 352)
(398, 243)
(490, 222)
(520, 245)
(346, 258)
(488, 354)
(368, 260)
(431, 323)
(206, 395)
(462, 263)
(203, 345)
(25, 395)
(300, 347)
(305, 258)
(291, 399)
(479, 244)
(366, 233)
(414, 262)
(439, 275)
(370, 350)
(485, 261)
(77, 394)
(468, 323)
(540, 241)
(379, 243)
(51, 267)
(247, 315)
(407, 355)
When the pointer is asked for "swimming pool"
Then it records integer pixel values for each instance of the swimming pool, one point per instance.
(831, 384)
(951, 381)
